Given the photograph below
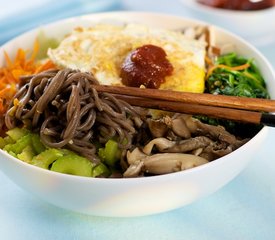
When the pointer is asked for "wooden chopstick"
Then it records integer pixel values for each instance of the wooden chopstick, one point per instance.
(143, 98)
(245, 103)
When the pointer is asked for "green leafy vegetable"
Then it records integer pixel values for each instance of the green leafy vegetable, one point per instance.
(227, 81)
(236, 76)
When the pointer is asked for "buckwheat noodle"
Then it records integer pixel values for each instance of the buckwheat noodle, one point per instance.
(68, 112)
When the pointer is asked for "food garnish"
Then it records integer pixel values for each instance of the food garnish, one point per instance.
(236, 76)
(24, 64)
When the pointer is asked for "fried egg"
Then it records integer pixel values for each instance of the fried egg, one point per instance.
(101, 49)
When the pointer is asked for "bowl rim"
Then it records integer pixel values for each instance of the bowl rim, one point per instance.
(114, 14)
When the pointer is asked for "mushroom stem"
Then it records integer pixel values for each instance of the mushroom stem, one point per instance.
(163, 163)
(171, 162)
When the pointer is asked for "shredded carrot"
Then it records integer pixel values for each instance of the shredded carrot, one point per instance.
(237, 68)
(23, 64)
(208, 60)
(47, 65)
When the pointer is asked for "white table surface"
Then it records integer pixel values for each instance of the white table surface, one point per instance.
(243, 209)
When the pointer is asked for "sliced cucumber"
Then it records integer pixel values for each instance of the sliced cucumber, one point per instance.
(17, 133)
(74, 165)
(46, 158)
(27, 154)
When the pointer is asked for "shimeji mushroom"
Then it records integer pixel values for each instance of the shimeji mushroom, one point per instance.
(163, 163)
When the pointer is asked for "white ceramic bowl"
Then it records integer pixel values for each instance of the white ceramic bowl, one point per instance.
(255, 26)
(137, 196)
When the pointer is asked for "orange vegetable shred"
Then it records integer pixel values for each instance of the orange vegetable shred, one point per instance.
(23, 64)
(237, 68)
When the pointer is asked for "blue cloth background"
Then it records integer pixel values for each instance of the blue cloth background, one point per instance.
(243, 209)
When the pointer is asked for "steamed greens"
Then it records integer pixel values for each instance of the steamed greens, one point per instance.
(235, 75)
(242, 83)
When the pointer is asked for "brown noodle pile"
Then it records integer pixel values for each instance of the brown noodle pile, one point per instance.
(68, 112)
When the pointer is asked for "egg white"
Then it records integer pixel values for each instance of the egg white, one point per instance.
(101, 49)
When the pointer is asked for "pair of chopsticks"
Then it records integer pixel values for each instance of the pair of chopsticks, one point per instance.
(242, 109)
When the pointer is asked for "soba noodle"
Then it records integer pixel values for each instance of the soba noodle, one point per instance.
(68, 112)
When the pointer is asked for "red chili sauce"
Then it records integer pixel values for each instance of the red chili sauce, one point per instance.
(239, 4)
(146, 65)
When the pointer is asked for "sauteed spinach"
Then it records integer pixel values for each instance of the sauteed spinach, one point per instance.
(227, 81)
(235, 76)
